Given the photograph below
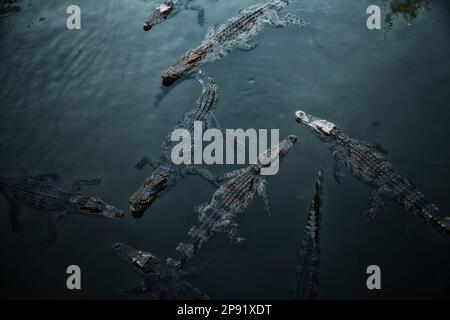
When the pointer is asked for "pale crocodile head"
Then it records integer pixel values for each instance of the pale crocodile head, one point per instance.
(152, 187)
(142, 262)
(282, 149)
(161, 13)
(324, 129)
(95, 207)
(186, 63)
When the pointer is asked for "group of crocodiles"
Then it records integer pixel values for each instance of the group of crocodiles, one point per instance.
(166, 279)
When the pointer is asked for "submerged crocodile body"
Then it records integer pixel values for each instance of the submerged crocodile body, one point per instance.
(235, 34)
(43, 192)
(166, 174)
(159, 281)
(227, 203)
(170, 8)
(366, 161)
(306, 280)
(409, 9)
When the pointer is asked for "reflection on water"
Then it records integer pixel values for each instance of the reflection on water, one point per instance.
(409, 9)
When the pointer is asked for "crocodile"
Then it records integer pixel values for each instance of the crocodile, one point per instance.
(234, 34)
(159, 280)
(306, 280)
(43, 192)
(367, 162)
(170, 8)
(167, 174)
(165, 280)
(231, 199)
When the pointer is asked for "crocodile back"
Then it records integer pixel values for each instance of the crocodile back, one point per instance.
(374, 169)
(241, 26)
(368, 165)
(231, 199)
(306, 280)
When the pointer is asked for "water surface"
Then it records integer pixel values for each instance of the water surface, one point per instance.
(81, 104)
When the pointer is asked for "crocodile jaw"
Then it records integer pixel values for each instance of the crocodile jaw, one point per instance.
(142, 199)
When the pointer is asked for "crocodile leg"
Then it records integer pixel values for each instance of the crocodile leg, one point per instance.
(204, 173)
(261, 188)
(14, 212)
(234, 235)
(339, 166)
(147, 160)
(248, 46)
(76, 188)
(54, 219)
(377, 204)
(286, 19)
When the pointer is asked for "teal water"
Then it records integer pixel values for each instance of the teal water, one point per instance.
(81, 104)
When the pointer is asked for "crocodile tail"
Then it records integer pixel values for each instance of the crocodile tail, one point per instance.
(414, 201)
(306, 280)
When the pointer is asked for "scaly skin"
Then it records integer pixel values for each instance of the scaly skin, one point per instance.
(306, 280)
(43, 192)
(366, 162)
(160, 281)
(166, 173)
(227, 203)
(231, 31)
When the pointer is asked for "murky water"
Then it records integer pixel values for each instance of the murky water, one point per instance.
(82, 104)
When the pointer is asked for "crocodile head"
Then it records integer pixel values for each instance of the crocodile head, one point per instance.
(161, 13)
(324, 129)
(281, 150)
(152, 187)
(142, 262)
(95, 207)
(186, 63)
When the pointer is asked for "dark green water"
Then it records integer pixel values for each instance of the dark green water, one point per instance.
(81, 104)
